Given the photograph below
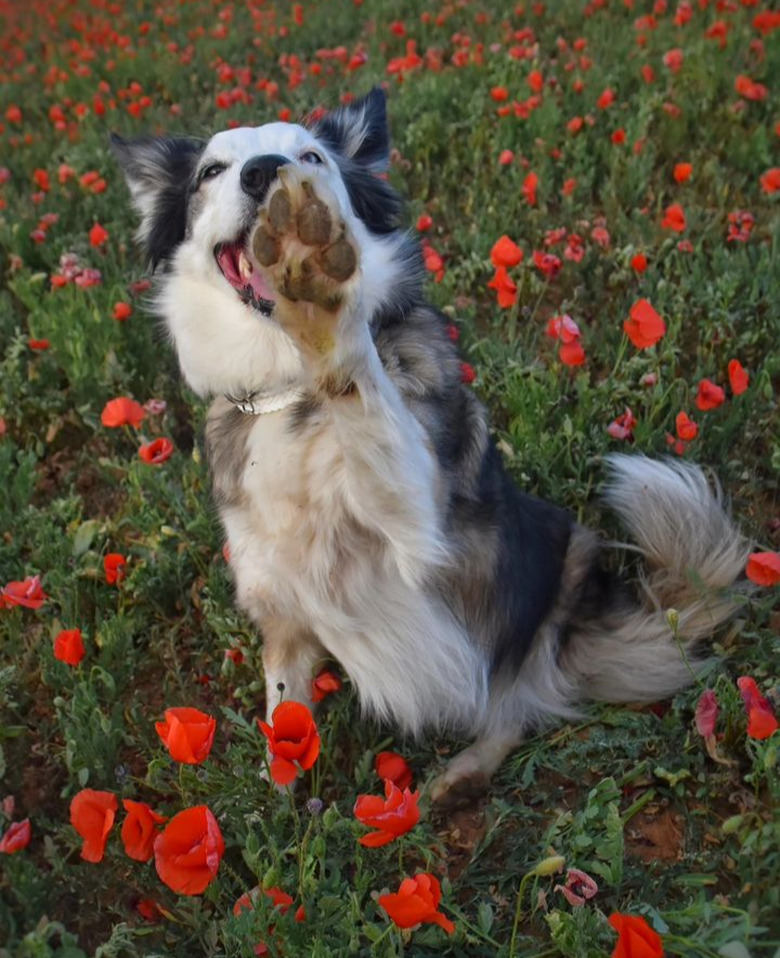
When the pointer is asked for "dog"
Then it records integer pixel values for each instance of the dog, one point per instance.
(367, 510)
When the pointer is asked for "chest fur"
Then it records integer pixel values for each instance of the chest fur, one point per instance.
(288, 505)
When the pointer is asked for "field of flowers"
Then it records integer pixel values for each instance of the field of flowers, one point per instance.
(597, 190)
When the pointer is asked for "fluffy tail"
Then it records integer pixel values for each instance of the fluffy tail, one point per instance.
(693, 553)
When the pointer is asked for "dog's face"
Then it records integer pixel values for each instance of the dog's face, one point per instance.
(198, 202)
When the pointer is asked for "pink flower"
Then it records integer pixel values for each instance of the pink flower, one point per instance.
(579, 887)
(706, 714)
(623, 426)
(16, 838)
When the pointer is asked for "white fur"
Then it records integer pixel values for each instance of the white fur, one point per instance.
(339, 532)
(225, 346)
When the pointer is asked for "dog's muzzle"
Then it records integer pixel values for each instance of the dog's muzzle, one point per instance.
(258, 174)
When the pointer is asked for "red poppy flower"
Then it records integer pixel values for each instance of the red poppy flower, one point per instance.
(547, 264)
(530, 184)
(623, 426)
(770, 181)
(763, 568)
(636, 939)
(28, 593)
(156, 452)
(606, 99)
(674, 218)
(324, 684)
(188, 852)
(563, 328)
(148, 909)
(505, 157)
(293, 741)
(122, 412)
(706, 713)
(16, 837)
(122, 311)
(69, 646)
(98, 235)
(188, 734)
(644, 327)
(709, 395)
(92, 814)
(393, 767)
(569, 186)
(639, 263)
(41, 180)
(572, 354)
(416, 901)
(139, 829)
(39, 345)
(467, 373)
(682, 172)
(761, 719)
(750, 90)
(741, 223)
(673, 59)
(393, 816)
(686, 427)
(114, 567)
(506, 253)
(505, 287)
(739, 380)
(424, 223)
(499, 94)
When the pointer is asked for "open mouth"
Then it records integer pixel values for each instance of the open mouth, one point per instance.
(238, 270)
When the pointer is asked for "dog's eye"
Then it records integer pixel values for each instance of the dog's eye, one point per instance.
(310, 157)
(212, 170)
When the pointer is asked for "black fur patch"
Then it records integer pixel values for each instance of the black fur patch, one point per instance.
(533, 539)
(160, 168)
(359, 131)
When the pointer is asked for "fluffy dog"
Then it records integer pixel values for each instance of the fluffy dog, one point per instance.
(367, 510)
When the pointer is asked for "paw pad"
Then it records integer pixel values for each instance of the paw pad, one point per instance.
(303, 243)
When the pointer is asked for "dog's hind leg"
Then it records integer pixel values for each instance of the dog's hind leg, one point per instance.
(468, 775)
(529, 700)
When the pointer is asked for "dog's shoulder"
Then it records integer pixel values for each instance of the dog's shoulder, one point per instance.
(419, 353)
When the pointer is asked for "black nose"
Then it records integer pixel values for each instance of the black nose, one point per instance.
(259, 173)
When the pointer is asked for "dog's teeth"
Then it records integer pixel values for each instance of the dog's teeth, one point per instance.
(244, 266)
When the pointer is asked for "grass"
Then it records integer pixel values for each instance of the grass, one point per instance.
(630, 796)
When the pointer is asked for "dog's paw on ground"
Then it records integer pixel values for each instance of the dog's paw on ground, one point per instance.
(302, 242)
(454, 791)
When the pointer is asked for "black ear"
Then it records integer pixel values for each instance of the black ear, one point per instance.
(359, 131)
(358, 137)
(159, 173)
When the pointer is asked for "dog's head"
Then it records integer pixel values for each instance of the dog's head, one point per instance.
(198, 201)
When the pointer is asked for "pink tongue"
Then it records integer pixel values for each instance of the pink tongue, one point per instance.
(227, 263)
(259, 286)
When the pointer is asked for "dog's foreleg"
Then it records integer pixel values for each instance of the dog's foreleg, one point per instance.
(320, 260)
(290, 657)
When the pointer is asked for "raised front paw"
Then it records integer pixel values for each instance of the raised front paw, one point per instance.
(302, 242)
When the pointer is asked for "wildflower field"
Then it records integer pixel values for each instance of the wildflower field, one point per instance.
(597, 190)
